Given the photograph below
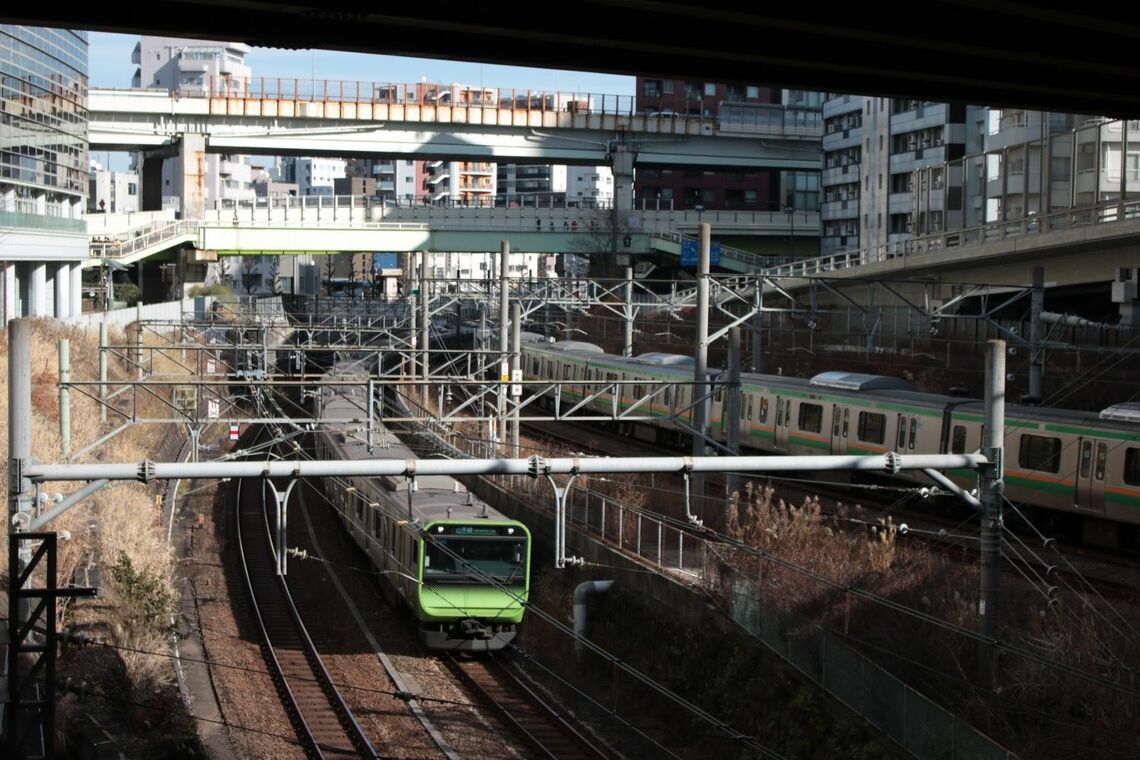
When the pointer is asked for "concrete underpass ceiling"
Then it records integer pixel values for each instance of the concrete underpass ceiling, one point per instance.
(1046, 55)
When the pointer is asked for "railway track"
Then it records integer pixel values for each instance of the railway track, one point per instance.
(533, 720)
(324, 724)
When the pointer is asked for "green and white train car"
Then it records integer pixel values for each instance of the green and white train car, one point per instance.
(1060, 462)
(459, 565)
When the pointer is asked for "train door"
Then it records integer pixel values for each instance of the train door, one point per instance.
(1091, 464)
(840, 425)
(783, 417)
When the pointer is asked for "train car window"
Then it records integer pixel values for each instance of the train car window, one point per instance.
(763, 409)
(1086, 458)
(846, 421)
(811, 417)
(1132, 466)
(779, 410)
(902, 433)
(359, 507)
(1037, 452)
(377, 525)
(749, 408)
(913, 430)
(958, 440)
(787, 412)
(1101, 458)
(718, 396)
(872, 427)
(669, 397)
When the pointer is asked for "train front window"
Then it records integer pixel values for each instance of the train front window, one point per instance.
(472, 560)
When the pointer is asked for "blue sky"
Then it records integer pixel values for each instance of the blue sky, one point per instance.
(110, 66)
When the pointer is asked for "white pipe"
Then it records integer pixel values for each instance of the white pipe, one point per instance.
(146, 470)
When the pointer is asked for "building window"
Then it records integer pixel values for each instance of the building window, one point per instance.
(651, 88)
(710, 89)
(753, 91)
(667, 87)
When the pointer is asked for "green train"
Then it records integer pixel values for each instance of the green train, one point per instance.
(1059, 463)
(461, 567)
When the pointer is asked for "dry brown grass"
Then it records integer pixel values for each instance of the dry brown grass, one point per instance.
(1038, 708)
(120, 518)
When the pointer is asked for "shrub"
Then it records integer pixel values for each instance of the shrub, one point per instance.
(217, 289)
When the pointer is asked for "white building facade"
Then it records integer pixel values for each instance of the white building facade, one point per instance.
(197, 66)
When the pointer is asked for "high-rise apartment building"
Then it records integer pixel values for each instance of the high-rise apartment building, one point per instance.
(554, 184)
(43, 170)
(872, 148)
(468, 183)
(197, 66)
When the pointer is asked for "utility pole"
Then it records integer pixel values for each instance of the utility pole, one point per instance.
(700, 370)
(65, 396)
(1036, 351)
(991, 492)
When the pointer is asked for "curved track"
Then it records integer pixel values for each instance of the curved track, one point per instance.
(324, 724)
(536, 722)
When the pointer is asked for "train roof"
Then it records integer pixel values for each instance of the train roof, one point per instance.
(857, 381)
(1128, 411)
(572, 346)
(436, 497)
(666, 360)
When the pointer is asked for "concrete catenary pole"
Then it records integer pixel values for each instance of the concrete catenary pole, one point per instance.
(504, 315)
(758, 329)
(991, 492)
(732, 407)
(516, 346)
(700, 369)
(19, 437)
(65, 396)
(425, 327)
(1036, 352)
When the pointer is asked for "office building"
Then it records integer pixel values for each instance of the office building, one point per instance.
(43, 170)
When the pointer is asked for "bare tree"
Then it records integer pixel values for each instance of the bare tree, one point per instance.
(607, 236)
(250, 278)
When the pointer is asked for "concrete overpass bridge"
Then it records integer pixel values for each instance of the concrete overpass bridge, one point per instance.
(263, 116)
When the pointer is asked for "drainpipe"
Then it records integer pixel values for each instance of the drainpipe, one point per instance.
(582, 591)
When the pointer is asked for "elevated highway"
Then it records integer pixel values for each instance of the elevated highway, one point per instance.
(572, 130)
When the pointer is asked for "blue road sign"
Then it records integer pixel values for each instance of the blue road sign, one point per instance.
(689, 249)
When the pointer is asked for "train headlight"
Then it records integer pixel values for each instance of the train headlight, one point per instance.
(439, 529)
(510, 531)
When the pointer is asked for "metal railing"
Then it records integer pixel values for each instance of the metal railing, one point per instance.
(1042, 224)
(132, 242)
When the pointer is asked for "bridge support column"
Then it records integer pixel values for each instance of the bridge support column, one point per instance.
(63, 291)
(150, 173)
(192, 179)
(621, 162)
